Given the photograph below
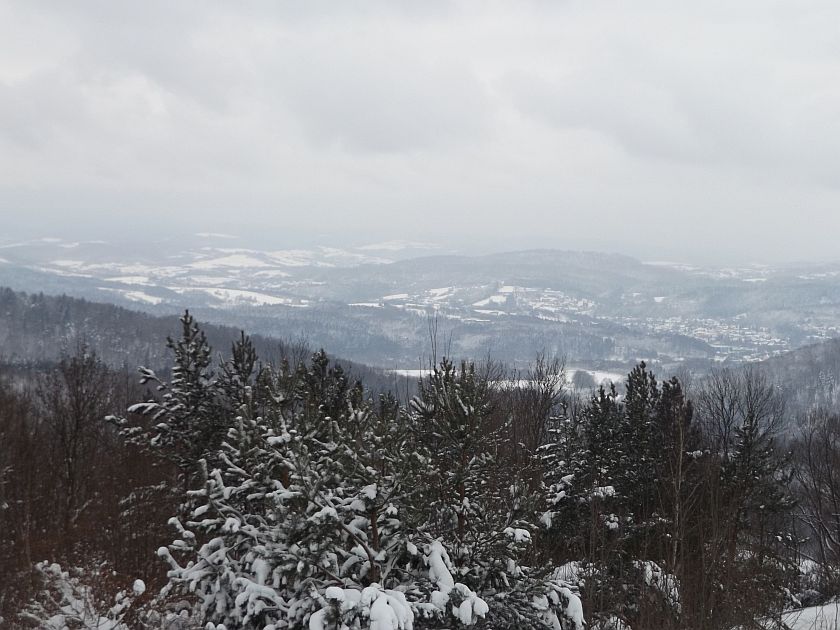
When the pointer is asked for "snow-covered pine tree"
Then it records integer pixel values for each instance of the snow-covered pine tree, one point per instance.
(481, 511)
(308, 521)
(185, 423)
(322, 508)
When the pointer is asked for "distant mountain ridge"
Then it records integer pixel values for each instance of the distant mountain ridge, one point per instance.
(375, 303)
(37, 328)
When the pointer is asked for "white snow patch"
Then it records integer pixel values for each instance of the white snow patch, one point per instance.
(385, 609)
(412, 373)
(493, 299)
(518, 534)
(272, 273)
(600, 378)
(441, 293)
(826, 617)
(603, 492)
(135, 296)
(237, 296)
(140, 296)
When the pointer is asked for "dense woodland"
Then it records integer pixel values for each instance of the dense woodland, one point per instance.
(38, 329)
(248, 493)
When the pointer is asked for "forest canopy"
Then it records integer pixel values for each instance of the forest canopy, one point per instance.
(241, 493)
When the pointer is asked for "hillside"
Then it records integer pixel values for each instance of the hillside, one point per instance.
(374, 302)
(808, 376)
(36, 328)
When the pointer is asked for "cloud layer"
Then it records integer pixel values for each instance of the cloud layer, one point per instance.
(706, 131)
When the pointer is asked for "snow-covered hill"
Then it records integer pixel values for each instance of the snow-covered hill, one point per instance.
(592, 307)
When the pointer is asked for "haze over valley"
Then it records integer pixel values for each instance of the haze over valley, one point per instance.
(374, 302)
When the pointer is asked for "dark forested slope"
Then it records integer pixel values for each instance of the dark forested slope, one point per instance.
(37, 328)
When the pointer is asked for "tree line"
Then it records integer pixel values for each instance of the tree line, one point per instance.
(241, 493)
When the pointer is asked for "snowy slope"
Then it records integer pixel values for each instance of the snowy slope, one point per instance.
(826, 617)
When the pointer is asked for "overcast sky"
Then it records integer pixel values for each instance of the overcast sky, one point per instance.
(695, 131)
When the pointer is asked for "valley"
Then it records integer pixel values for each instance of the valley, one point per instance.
(376, 302)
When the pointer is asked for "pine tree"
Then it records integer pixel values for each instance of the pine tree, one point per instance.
(616, 502)
(479, 509)
(185, 424)
(756, 479)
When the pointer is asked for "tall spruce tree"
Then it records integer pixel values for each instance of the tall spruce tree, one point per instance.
(185, 423)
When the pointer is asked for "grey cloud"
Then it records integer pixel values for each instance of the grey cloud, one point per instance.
(536, 123)
(379, 101)
(644, 118)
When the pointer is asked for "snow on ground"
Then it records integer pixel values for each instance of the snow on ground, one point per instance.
(62, 272)
(411, 373)
(237, 296)
(292, 257)
(134, 296)
(139, 296)
(826, 617)
(485, 311)
(272, 273)
(599, 376)
(395, 296)
(493, 299)
(322, 257)
(121, 269)
(442, 292)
